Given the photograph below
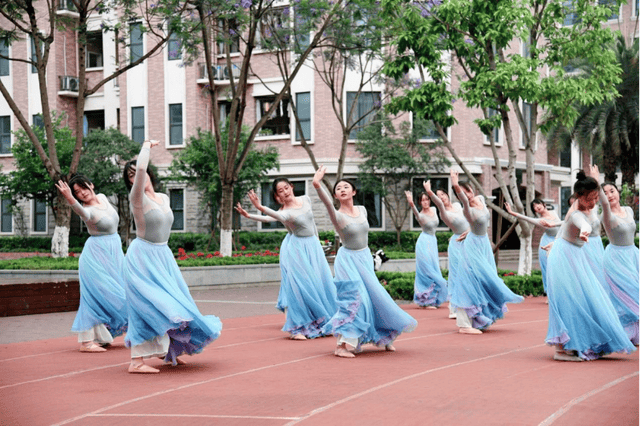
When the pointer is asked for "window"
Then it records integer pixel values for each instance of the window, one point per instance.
(93, 120)
(636, 5)
(272, 21)
(137, 124)
(7, 216)
(299, 188)
(34, 56)
(565, 194)
(176, 201)
(372, 202)
(278, 122)
(94, 50)
(565, 156)
(301, 28)
(5, 134)
(174, 48)
(526, 47)
(39, 216)
(175, 124)
(570, 13)
(613, 5)
(425, 129)
(4, 62)
(363, 112)
(37, 122)
(418, 188)
(303, 108)
(527, 115)
(136, 48)
(495, 133)
(229, 40)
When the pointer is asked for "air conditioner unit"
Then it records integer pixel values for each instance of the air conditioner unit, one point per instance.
(235, 72)
(69, 83)
(218, 73)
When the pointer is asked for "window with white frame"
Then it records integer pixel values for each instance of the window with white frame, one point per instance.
(94, 50)
(175, 124)
(417, 188)
(565, 156)
(495, 132)
(174, 48)
(7, 216)
(273, 20)
(34, 56)
(37, 121)
(176, 201)
(299, 189)
(5, 67)
(303, 109)
(613, 6)
(136, 46)
(137, 124)
(278, 122)
(229, 38)
(5, 134)
(39, 216)
(425, 129)
(571, 16)
(636, 6)
(363, 112)
(527, 115)
(302, 31)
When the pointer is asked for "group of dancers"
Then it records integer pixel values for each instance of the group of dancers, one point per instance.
(144, 294)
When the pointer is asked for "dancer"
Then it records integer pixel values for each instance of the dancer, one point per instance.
(547, 220)
(430, 289)
(620, 257)
(453, 217)
(482, 296)
(366, 313)
(164, 321)
(583, 324)
(102, 314)
(307, 288)
(281, 303)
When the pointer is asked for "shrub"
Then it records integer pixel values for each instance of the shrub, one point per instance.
(39, 244)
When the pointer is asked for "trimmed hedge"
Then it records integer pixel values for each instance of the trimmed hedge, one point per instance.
(40, 244)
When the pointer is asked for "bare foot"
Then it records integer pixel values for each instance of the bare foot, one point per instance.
(142, 368)
(298, 337)
(390, 348)
(469, 330)
(343, 353)
(91, 347)
(432, 307)
(564, 356)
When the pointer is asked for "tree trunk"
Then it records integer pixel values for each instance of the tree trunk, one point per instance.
(526, 253)
(226, 231)
(60, 239)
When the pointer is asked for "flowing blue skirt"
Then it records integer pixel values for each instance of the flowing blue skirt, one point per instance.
(594, 253)
(307, 287)
(102, 294)
(480, 291)
(159, 302)
(581, 316)
(429, 289)
(455, 252)
(281, 304)
(621, 274)
(543, 256)
(365, 310)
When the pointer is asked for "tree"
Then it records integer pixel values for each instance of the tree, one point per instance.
(391, 160)
(27, 19)
(240, 26)
(478, 35)
(609, 129)
(197, 165)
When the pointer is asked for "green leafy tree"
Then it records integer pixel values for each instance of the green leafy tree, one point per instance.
(391, 160)
(40, 23)
(479, 35)
(609, 129)
(197, 165)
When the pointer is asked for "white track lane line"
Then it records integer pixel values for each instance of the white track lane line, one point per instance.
(42, 354)
(569, 405)
(65, 375)
(236, 301)
(402, 379)
(166, 391)
(196, 416)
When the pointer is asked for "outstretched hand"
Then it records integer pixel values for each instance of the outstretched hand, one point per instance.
(317, 178)
(409, 198)
(454, 177)
(65, 191)
(253, 197)
(462, 236)
(152, 142)
(507, 207)
(240, 210)
(427, 186)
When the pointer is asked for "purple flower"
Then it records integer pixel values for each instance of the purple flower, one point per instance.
(246, 4)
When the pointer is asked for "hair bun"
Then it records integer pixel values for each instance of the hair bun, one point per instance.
(581, 175)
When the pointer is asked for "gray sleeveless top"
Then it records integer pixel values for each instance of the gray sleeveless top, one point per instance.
(457, 222)
(299, 221)
(595, 222)
(427, 223)
(478, 218)
(572, 227)
(153, 219)
(353, 231)
(621, 230)
(100, 220)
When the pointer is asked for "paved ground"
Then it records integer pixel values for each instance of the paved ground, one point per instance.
(254, 375)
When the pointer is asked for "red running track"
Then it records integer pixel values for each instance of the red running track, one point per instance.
(254, 375)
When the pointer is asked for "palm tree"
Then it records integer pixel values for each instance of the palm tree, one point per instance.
(609, 130)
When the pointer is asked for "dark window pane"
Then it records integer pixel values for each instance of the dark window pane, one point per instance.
(176, 198)
(137, 124)
(364, 111)
(136, 46)
(5, 134)
(4, 63)
(7, 216)
(39, 216)
(175, 124)
(303, 107)
(174, 48)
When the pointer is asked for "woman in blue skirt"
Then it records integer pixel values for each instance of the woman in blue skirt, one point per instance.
(482, 296)
(366, 313)
(429, 289)
(307, 289)
(102, 314)
(164, 320)
(453, 217)
(547, 220)
(583, 324)
(281, 304)
(621, 269)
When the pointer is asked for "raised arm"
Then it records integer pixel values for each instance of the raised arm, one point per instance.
(416, 213)
(324, 196)
(142, 162)
(542, 223)
(607, 215)
(444, 214)
(65, 191)
(253, 197)
(256, 217)
(466, 206)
